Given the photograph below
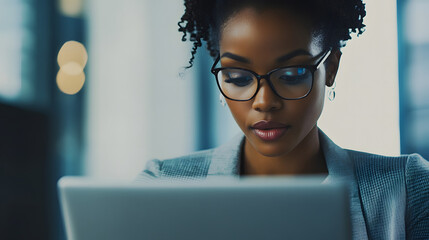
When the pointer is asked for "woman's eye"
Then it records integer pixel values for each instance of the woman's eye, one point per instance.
(291, 80)
(240, 81)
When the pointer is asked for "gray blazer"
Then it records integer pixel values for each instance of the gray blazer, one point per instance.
(389, 196)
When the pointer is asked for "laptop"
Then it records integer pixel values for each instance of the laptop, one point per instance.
(223, 208)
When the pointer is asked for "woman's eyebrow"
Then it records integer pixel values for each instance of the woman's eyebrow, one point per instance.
(235, 57)
(283, 58)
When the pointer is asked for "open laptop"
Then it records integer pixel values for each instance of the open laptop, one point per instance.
(221, 208)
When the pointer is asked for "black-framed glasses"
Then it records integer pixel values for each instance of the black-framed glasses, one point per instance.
(289, 83)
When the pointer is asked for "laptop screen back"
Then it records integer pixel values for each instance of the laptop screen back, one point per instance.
(248, 208)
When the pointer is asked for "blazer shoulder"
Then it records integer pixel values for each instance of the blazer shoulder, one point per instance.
(379, 175)
(391, 172)
(397, 179)
(410, 165)
(417, 187)
(380, 164)
(190, 166)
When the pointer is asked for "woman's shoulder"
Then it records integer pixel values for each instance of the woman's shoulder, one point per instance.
(189, 166)
(410, 166)
(417, 191)
(195, 165)
(390, 179)
(405, 161)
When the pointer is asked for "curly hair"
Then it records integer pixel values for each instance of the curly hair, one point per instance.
(335, 20)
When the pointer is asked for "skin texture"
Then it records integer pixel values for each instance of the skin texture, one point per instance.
(262, 37)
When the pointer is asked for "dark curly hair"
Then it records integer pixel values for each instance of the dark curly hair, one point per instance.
(335, 20)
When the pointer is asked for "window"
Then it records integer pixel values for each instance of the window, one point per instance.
(17, 47)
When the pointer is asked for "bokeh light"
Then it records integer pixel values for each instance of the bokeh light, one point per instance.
(72, 51)
(71, 8)
(72, 59)
(69, 83)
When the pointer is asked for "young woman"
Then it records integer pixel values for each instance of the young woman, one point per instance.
(272, 62)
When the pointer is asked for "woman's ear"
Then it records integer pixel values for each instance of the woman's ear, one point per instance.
(332, 64)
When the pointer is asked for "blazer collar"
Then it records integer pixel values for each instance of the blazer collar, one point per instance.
(225, 159)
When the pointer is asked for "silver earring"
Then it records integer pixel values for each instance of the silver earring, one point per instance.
(331, 92)
(222, 100)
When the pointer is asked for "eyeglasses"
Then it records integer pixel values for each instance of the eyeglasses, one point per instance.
(289, 83)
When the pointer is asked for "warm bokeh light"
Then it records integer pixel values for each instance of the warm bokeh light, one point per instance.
(72, 59)
(72, 51)
(69, 83)
(71, 8)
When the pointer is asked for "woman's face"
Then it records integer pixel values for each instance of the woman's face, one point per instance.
(261, 38)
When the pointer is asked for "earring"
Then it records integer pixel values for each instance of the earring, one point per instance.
(222, 100)
(331, 92)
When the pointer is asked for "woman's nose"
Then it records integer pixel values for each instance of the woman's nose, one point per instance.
(266, 100)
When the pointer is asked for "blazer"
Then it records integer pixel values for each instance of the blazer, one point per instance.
(389, 196)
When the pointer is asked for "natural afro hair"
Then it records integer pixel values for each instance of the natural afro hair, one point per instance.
(336, 20)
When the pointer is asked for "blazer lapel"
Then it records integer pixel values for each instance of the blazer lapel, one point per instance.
(338, 161)
(225, 159)
(341, 168)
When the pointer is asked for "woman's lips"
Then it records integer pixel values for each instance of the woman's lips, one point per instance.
(269, 130)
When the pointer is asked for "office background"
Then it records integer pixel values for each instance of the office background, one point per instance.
(139, 103)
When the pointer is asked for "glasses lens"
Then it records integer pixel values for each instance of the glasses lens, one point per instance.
(292, 82)
(237, 84)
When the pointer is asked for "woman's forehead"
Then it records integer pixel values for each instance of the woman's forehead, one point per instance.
(267, 31)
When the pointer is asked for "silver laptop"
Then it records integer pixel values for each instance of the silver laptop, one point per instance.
(219, 209)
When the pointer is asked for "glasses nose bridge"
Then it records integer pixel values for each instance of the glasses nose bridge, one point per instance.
(267, 78)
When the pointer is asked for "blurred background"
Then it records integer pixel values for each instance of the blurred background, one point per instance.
(138, 102)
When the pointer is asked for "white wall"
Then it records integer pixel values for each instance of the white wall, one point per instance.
(365, 114)
(138, 107)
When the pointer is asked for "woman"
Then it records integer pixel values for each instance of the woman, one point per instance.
(273, 60)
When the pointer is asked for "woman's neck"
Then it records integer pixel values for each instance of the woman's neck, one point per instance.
(306, 158)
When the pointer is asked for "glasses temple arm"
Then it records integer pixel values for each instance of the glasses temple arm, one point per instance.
(325, 56)
(215, 62)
